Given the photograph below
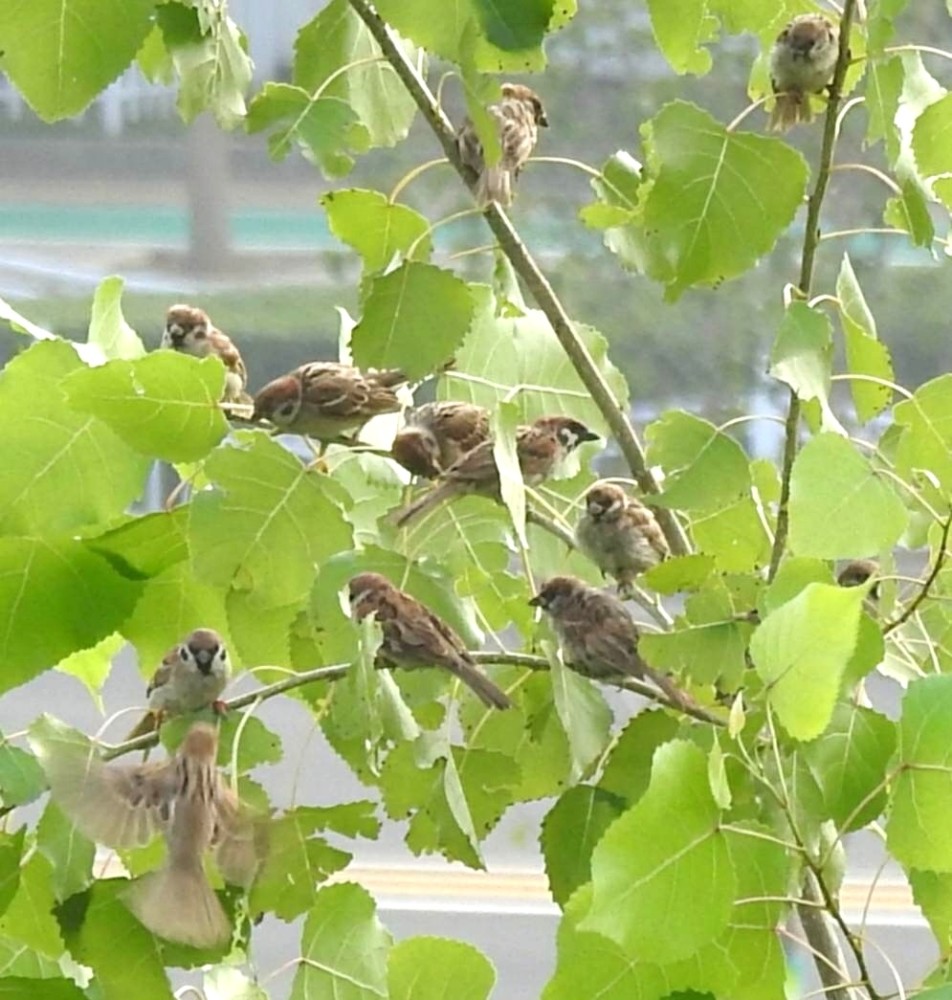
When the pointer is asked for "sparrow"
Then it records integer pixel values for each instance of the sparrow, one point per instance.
(191, 677)
(597, 635)
(856, 572)
(518, 117)
(188, 330)
(415, 637)
(184, 798)
(619, 534)
(802, 62)
(437, 435)
(328, 400)
(541, 447)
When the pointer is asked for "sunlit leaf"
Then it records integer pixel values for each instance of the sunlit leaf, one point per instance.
(108, 329)
(375, 227)
(432, 968)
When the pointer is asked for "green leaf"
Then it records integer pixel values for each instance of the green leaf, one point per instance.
(646, 870)
(11, 852)
(931, 148)
(62, 53)
(504, 424)
(29, 916)
(680, 28)
(144, 546)
(225, 982)
(61, 470)
(326, 129)
(848, 763)
(704, 468)
(627, 772)
(296, 864)
(865, 355)
(108, 329)
(921, 800)
(337, 37)
(164, 405)
(932, 892)
(20, 324)
(570, 831)
(70, 853)
(734, 535)
(264, 503)
(135, 969)
(210, 56)
(716, 200)
(909, 211)
(926, 439)
(802, 357)
(433, 968)
(705, 654)
(92, 666)
(21, 777)
(801, 651)
(583, 712)
(884, 80)
(18, 988)
(56, 597)
(375, 227)
(414, 318)
(839, 507)
(679, 573)
(344, 946)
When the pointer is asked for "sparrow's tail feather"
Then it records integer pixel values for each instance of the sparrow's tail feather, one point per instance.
(430, 500)
(178, 904)
(789, 109)
(669, 688)
(482, 687)
(495, 184)
(147, 724)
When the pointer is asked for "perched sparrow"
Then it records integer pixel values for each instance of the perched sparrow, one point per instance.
(184, 798)
(189, 331)
(439, 434)
(328, 400)
(857, 572)
(596, 633)
(518, 117)
(619, 534)
(192, 676)
(415, 637)
(541, 447)
(802, 62)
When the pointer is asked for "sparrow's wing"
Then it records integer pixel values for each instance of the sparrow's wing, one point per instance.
(119, 805)
(239, 839)
(163, 674)
(337, 389)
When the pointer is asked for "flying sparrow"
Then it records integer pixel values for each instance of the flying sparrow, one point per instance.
(619, 534)
(192, 676)
(188, 330)
(415, 637)
(518, 117)
(184, 798)
(541, 447)
(437, 435)
(802, 62)
(597, 635)
(328, 400)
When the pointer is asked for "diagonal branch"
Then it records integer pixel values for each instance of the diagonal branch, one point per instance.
(527, 269)
(940, 555)
(811, 241)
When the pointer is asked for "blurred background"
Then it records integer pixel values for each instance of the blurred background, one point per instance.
(201, 216)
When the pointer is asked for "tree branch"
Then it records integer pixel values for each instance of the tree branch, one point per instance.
(811, 241)
(940, 555)
(527, 269)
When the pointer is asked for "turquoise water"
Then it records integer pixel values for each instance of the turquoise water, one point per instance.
(159, 226)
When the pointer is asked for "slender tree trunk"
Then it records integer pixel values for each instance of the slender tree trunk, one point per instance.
(207, 182)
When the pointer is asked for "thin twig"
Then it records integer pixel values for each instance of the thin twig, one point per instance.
(930, 580)
(811, 241)
(527, 269)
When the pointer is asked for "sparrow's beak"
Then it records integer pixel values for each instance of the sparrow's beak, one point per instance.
(176, 333)
(204, 657)
(588, 435)
(595, 508)
(544, 120)
(536, 601)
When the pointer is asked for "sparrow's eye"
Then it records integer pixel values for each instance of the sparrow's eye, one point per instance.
(183, 652)
(223, 653)
(286, 410)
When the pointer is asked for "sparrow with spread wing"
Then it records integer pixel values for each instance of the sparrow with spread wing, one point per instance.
(541, 447)
(619, 534)
(518, 115)
(185, 799)
(328, 400)
(188, 330)
(597, 635)
(802, 62)
(191, 677)
(413, 636)
(437, 435)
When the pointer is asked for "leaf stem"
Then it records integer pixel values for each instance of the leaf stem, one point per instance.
(527, 269)
(811, 241)
(940, 555)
